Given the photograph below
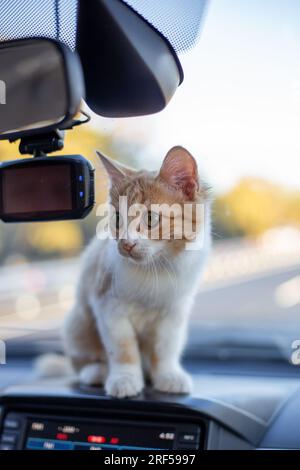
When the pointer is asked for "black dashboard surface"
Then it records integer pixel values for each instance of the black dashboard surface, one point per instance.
(244, 409)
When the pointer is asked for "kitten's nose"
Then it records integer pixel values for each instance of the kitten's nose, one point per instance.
(128, 246)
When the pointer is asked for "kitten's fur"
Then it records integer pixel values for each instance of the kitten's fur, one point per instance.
(130, 315)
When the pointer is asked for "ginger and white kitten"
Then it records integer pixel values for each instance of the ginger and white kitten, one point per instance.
(134, 295)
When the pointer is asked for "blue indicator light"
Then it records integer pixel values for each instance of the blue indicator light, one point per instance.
(80, 178)
(81, 194)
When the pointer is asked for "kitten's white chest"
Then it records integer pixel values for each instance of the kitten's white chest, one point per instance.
(150, 289)
(156, 289)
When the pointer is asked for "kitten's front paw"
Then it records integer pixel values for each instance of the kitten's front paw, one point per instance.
(173, 381)
(123, 385)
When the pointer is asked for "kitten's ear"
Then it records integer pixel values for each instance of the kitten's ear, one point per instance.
(116, 171)
(179, 170)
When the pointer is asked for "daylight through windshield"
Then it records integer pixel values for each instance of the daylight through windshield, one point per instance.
(237, 112)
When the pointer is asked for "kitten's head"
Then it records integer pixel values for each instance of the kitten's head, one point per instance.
(153, 215)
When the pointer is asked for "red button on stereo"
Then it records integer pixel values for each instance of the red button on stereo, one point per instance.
(114, 440)
(96, 439)
(62, 436)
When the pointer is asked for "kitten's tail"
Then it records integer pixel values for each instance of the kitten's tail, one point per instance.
(53, 365)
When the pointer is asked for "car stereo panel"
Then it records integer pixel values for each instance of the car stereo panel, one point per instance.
(38, 432)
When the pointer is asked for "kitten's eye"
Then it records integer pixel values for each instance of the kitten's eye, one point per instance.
(151, 219)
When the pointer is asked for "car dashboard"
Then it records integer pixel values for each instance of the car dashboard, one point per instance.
(235, 410)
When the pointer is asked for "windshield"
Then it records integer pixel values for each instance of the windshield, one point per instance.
(238, 113)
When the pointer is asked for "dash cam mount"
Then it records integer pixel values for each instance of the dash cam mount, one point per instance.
(39, 145)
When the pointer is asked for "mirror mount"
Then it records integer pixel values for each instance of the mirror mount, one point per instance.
(39, 145)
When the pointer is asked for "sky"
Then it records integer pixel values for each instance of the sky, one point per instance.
(238, 109)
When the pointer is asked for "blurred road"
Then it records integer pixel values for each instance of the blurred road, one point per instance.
(268, 299)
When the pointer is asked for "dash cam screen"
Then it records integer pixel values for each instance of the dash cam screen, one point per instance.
(43, 188)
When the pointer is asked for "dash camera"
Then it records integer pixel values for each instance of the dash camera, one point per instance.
(46, 188)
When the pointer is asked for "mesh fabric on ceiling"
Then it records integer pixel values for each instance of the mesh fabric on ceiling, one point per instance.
(178, 20)
(46, 18)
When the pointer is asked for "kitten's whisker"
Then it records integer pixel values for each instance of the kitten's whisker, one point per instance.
(164, 262)
(154, 275)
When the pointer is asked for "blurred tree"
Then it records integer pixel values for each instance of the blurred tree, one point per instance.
(54, 237)
(253, 206)
(293, 208)
(8, 151)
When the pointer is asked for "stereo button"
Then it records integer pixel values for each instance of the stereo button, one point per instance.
(9, 438)
(188, 437)
(11, 423)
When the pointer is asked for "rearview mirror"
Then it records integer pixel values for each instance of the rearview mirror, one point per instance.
(41, 86)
